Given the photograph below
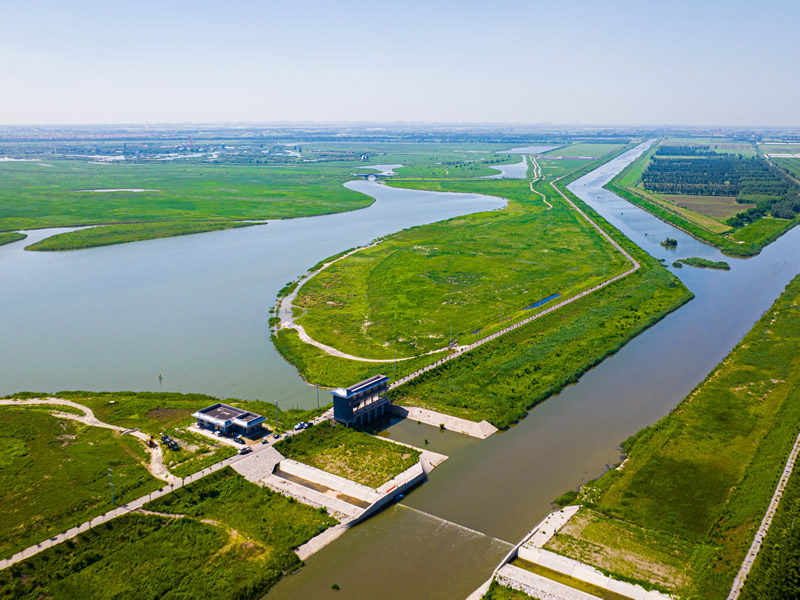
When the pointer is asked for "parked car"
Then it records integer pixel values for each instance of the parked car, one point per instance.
(309, 424)
(265, 440)
(218, 433)
(299, 426)
(277, 436)
(245, 450)
(238, 440)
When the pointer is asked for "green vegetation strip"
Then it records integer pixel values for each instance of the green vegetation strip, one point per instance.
(704, 263)
(11, 237)
(775, 572)
(107, 235)
(54, 475)
(704, 475)
(235, 542)
(349, 453)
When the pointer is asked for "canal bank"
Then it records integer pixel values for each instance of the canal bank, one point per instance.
(504, 484)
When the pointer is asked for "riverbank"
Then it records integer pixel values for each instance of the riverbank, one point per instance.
(731, 433)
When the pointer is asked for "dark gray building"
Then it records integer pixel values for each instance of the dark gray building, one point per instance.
(229, 420)
(361, 402)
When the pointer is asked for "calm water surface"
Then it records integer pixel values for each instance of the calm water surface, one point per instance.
(192, 308)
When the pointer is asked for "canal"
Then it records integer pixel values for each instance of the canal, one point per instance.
(444, 538)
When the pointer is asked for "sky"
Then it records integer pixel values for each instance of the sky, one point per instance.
(615, 62)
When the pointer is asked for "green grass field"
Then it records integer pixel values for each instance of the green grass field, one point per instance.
(54, 475)
(406, 293)
(106, 235)
(235, 542)
(11, 237)
(33, 196)
(790, 165)
(763, 231)
(349, 453)
(704, 474)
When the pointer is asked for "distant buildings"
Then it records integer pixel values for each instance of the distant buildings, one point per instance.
(229, 420)
(362, 402)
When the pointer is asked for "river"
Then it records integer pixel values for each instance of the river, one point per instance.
(488, 494)
(191, 308)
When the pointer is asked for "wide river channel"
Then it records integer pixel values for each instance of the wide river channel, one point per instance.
(194, 309)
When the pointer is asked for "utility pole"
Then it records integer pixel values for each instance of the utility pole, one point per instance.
(317, 396)
(276, 416)
(111, 478)
(604, 269)
(395, 355)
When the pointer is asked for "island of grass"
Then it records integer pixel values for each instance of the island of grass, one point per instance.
(54, 474)
(733, 199)
(228, 539)
(10, 237)
(502, 379)
(349, 453)
(704, 263)
(107, 235)
(682, 511)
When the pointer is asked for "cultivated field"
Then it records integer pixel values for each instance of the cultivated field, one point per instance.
(717, 207)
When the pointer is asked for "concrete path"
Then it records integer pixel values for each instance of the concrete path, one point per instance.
(750, 558)
(156, 466)
(480, 430)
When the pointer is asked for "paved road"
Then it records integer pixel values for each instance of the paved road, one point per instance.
(137, 504)
(750, 558)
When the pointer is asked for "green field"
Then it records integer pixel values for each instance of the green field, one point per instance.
(790, 165)
(235, 542)
(405, 294)
(34, 197)
(54, 474)
(11, 237)
(704, 474)
(349, 453)
(106, 235)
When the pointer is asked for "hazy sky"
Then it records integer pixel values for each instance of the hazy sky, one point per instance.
(628, 61)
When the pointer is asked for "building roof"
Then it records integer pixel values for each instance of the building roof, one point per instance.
(361, 386)
(224, 415)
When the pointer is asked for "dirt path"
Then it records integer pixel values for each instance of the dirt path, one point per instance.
(537, 174)
(156, 466)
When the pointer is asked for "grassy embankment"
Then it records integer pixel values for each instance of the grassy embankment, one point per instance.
(704, 263)
(349, 453)
(54, 474)
(681, 513)
(108, 235)
(501, 380)
(701, 216)
(235, 541)
(574, 583)
(11, 237)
